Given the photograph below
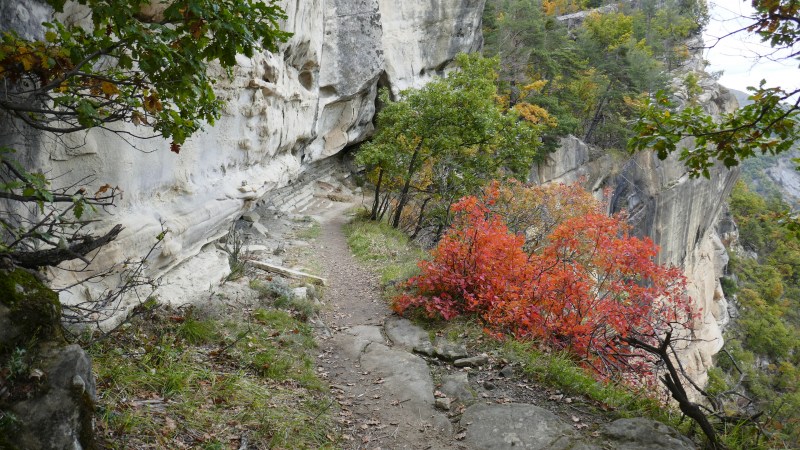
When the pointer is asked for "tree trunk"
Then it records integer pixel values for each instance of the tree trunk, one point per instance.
(420, 218)
(406, 186)
(377, 202)
(673, 383)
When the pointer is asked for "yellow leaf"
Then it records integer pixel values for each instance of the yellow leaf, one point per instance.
(28, 61)
(109, 88)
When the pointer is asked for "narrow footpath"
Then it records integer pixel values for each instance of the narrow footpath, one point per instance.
(385, 392)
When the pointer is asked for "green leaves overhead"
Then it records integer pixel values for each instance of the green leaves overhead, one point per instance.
(769, 125)
(764, 127)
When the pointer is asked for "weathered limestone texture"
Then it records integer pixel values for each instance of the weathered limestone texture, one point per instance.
(678, 212)
(285, 111)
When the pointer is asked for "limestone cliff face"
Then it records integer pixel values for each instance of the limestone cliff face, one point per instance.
(677, 212)
(285, 111)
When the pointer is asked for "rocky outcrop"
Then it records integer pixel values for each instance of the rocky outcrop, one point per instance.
(47, 390)
(678, 212)
(285, 112)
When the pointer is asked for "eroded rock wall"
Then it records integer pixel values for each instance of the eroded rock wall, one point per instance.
(285, 112)
(678, 212)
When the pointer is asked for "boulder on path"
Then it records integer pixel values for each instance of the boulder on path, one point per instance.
(405, 334)
(456, 386)
(60, 415)
(448, 350)
(523, 426)
(515, 427)
(50, 398)
(645, 434)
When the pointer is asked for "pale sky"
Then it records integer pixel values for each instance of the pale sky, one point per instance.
(738, 55)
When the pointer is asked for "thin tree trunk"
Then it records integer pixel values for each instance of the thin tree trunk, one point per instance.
(406, 186)
(384, 207)
(673, 383)
(377, 202)
(421, 217)
(597, 115)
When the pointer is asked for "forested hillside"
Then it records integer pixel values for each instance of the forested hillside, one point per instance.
(589, 70)
(758, 367)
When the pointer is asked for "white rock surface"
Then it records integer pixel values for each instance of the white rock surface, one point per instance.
(285, 110)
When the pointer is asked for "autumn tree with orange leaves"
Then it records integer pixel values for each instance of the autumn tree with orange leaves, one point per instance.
(573, 279)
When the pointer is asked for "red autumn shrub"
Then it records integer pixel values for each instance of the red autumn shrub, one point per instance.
(475, 264)
(589, 284)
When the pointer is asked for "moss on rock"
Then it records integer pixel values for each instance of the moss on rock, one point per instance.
(28, 310)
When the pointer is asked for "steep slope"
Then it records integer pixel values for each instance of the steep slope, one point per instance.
(679, 213)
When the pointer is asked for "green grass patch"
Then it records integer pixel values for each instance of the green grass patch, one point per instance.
(385, 248)
(561, 371)
(313, 230)
(174, 381)
(555, 370)
(282, 297)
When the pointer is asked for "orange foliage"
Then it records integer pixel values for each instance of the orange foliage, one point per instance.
(560, 7)
(589, 286)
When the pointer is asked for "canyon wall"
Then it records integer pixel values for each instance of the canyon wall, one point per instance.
(286, 111)
(678, 212)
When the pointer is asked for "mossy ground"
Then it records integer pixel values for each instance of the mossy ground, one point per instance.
(183, 379)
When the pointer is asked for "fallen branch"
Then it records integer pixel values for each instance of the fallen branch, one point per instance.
(55, 256)
(288, 272)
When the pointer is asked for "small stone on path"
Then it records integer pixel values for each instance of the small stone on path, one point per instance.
(475, 361)
(449, 350)
(507, 372)
(456, 386)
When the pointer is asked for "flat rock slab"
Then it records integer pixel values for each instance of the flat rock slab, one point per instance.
(353, 341)
(407, 376)
(369, 333)
(645, 434)
(405, 334)
(515, 427)
(408, 381)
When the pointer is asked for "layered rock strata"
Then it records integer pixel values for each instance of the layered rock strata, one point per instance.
(285, 111)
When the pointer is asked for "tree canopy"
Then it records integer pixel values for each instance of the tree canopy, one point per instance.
(449, 138)
(769, 125)
(589, 71)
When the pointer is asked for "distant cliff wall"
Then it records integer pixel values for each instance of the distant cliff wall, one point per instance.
(679, 213)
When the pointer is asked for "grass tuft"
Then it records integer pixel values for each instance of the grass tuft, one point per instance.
(172, 381)
(386, 249)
